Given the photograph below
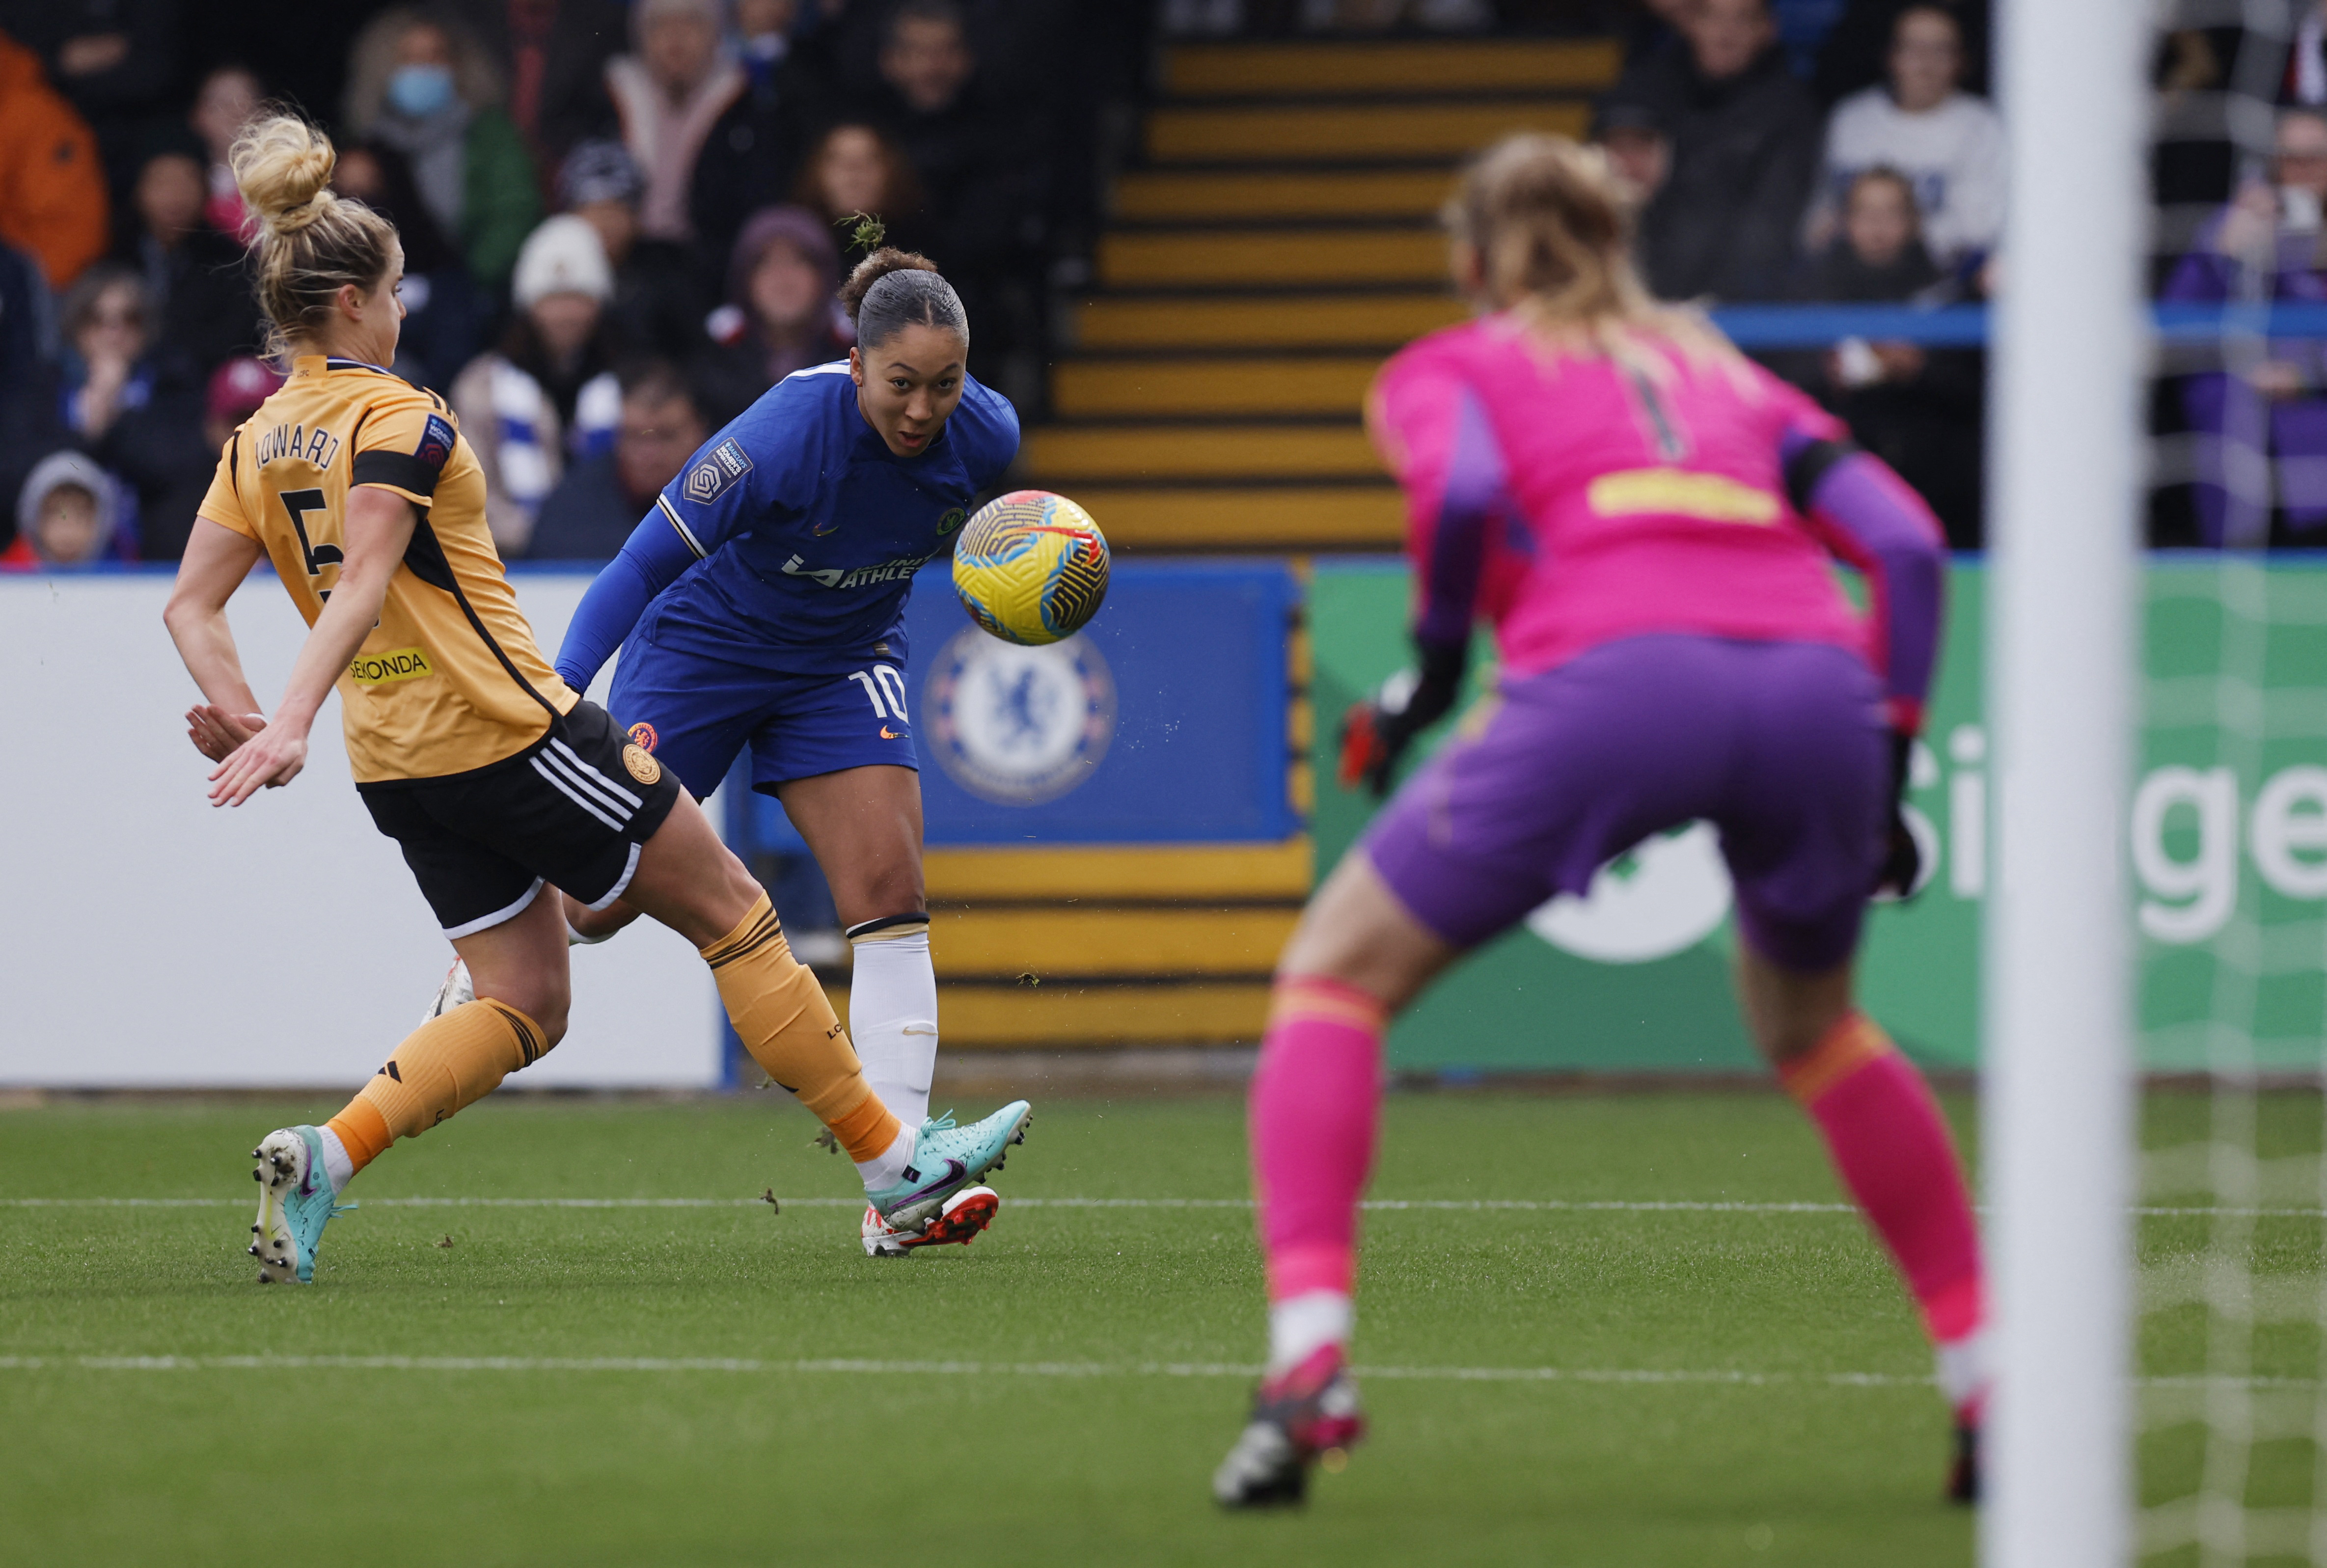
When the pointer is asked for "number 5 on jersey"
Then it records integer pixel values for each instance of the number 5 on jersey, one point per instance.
(299, 503)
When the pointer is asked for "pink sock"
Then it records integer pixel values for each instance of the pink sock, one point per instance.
(1316, 1105)
(1888, 1141)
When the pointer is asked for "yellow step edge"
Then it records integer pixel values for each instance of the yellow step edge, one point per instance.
(1513, 65)
(1163, 196)
(1277, 134)
(1274, 518)
(1064, 454)
(1049, 1017)
(1131, 388)
(1076, 942)
(1359, 320)
(1198, 258)
(1194, 870)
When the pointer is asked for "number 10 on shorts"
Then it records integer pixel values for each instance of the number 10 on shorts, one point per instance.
(885, 688)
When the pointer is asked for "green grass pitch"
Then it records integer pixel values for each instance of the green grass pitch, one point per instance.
(1090, 1356)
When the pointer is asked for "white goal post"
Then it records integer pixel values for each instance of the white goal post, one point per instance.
(2068, 352)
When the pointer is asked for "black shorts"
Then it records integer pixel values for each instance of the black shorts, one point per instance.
(571, 809)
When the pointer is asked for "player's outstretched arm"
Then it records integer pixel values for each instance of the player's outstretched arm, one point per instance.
(651, 560)
(379, 526)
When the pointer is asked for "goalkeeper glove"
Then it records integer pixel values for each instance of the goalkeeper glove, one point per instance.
(1902, 858)
(1377, 729)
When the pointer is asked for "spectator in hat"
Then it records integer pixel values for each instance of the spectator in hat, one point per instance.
(1948, 141)
(68, 513)
(1640, 153)
(547, 395)
(668, 94)
(203, 308)
(445, 310)
(781, 315)
(1744, 156)
(596, 507)
(52, 201)
(228, 98)
(658, 301)
(421, 82)
(236, 390)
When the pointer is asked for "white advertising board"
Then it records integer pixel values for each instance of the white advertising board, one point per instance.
(149, 941)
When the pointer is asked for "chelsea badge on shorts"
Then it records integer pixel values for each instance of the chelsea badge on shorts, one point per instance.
(1018, 725)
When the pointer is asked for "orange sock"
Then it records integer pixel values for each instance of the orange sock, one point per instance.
(446, 1063)
(786, 1022)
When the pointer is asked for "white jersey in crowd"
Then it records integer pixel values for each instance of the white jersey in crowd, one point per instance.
(1954, 154)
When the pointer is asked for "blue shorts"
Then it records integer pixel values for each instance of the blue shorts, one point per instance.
(698, 714)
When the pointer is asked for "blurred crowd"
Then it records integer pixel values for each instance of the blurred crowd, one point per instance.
(623, 221)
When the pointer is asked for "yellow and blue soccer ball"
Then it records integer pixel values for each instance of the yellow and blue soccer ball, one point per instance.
(1030, 567)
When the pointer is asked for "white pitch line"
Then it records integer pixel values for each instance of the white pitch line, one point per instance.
(1444, 1205)
(739, 1365)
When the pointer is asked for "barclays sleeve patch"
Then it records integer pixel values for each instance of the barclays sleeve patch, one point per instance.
(717, 472)
(436, 441)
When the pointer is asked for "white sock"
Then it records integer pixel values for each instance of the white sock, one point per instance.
(886, 1170)
(893, 1015)
(1298, 1325)
(1963, 1370)
(336, 1163)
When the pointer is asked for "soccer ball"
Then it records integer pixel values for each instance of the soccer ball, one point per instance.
(1030, 567)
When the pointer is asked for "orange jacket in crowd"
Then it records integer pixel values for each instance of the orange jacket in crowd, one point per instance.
(51, 185)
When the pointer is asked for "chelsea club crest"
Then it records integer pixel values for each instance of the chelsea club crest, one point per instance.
(1018, 725)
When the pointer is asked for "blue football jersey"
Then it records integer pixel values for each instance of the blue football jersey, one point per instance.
(807, 529)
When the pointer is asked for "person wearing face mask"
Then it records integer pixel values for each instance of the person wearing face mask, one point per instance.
(547, 395)
(420, 83)
(2270, 242)
(780, 315)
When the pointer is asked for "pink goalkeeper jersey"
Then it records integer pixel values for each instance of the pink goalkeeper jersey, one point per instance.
(1644, 499)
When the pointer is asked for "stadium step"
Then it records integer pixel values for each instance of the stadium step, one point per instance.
(1014, 1017)
(1213, 258)
(1252, 322)
(1350, 132)
(1073, 941)
(1276, 196)
(1339, 517)
(1279, 240)
(1118, 874)
(1391, 69)
(1212, 388)
(1071, 455)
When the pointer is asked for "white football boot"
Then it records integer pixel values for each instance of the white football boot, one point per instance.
(963, 1216)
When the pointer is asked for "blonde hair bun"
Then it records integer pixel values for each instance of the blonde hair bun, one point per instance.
(283, 166)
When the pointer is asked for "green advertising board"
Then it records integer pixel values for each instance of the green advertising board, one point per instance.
(2228, 853)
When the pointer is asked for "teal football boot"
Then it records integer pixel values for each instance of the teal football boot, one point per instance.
(296, 1201)
(947, 1159)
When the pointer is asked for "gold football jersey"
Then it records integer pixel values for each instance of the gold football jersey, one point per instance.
(450, 679)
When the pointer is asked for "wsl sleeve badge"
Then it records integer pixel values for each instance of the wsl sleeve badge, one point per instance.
(1030, 567)
(1018, 725)
(709, 480)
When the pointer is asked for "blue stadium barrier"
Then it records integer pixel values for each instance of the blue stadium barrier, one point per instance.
(1819, 326)
(1164, 722)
